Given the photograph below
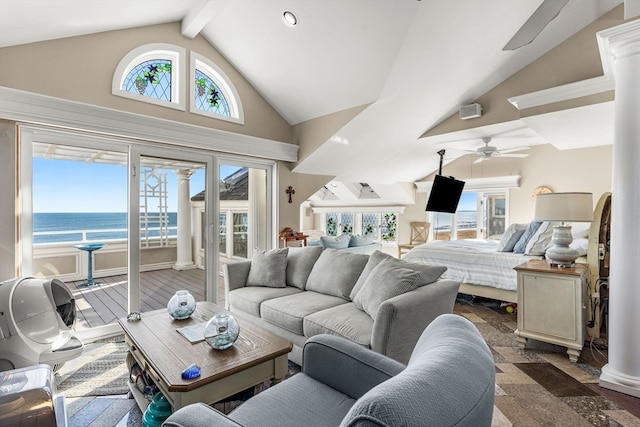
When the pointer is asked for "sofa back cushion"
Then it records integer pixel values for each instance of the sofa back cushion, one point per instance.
(268, 268)
(300, 261)
(336, 272)
(386, 281)
(428, 273)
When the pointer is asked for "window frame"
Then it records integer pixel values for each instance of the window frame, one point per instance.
(222, 81)
(149, 52)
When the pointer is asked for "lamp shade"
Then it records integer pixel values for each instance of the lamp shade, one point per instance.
(570, 207)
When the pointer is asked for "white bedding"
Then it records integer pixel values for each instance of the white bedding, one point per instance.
(473, 261)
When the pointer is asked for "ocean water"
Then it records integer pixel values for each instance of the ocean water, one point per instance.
(465, 220)
(94, 226)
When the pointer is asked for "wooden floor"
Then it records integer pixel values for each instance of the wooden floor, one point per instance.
(104, 304)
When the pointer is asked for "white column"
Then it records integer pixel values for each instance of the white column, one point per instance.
(622, 51)
(185, 258)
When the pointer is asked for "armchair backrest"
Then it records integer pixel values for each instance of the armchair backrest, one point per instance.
(449, 380)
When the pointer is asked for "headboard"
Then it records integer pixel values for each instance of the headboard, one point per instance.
(598, 261)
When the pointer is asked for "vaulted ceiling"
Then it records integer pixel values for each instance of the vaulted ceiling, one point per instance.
(408, 64)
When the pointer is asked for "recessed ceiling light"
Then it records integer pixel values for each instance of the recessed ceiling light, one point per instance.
(289, 18)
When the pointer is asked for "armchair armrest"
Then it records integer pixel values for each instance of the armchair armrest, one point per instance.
(198, 415)
(346, 366)
(401, 320)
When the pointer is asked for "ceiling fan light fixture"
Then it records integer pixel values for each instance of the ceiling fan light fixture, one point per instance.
(289, 18)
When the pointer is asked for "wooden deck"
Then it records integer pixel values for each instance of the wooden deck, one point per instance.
(105, 304)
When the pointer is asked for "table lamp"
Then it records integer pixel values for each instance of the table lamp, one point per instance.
(563, 207)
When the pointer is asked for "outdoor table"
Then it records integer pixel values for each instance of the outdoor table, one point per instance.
(89, 248)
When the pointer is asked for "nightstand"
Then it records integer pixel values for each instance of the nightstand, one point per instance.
(551, 305)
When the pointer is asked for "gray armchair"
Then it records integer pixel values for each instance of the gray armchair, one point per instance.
(449, 380)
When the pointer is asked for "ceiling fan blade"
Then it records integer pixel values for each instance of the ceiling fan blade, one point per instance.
(516, 156)
(544, 14)
(480, 160)
(510, 150)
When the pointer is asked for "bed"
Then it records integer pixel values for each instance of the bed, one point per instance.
(484, 272)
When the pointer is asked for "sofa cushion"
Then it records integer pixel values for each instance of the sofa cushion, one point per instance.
(300, 261)
(345, 320)
(338, 242)
(248, 299)
(428, 273)
(358, 240)
(335, 272)
(386, 281)
(269, 268)
(288, 312)
(303, 402)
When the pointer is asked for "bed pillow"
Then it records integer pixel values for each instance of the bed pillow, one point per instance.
(521, 245)
(386, 281)
(541, 240)
(511, 237)
(268, 268)
(581, 245)
(580, 229)
(338, 242)
(358, 240)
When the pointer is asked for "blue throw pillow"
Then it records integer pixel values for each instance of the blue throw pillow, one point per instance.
(338, 242)
(358, 240)
(520, 247)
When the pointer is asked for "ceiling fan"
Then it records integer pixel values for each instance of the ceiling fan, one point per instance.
(489, 151)
(544, 14)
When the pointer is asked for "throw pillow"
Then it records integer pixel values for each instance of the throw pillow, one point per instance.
(428, 273)
(524, 239)
(300, 261)
(541, 240)
(338, 242)
(511, 237)
(386, 281)
(336, 272)
(268, 268)
(358, 240)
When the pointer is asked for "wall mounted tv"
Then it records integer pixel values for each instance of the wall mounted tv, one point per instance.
(445, 194)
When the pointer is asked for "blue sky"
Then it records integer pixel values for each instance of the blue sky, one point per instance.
(66, 186)
(468, 202)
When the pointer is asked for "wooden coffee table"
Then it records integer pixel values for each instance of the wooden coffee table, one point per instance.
(257, 355)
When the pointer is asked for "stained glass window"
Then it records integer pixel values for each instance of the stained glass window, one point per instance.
(370, 224)
(208, 96)
(346, 223)
(150, 78)
(332, 224)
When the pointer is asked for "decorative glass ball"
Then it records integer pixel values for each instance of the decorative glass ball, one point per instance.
(221, 331)
(181, 305)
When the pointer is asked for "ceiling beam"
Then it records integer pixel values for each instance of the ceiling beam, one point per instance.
(197, 18)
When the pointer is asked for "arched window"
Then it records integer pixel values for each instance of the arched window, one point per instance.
(213, 95)
(152, 73)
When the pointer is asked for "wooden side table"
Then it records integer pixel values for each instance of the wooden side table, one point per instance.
(551, 305)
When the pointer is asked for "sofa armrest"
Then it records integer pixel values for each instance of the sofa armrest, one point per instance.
(235, 276)
(346, 366)
(401, 320)
(198, 415)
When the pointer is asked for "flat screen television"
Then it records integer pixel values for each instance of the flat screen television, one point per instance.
(445, 194)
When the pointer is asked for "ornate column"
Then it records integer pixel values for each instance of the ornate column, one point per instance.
(185, 258)
(620, 50)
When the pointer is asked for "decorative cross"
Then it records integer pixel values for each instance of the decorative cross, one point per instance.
(290, 191)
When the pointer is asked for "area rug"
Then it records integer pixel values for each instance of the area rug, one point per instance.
(100, 371)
